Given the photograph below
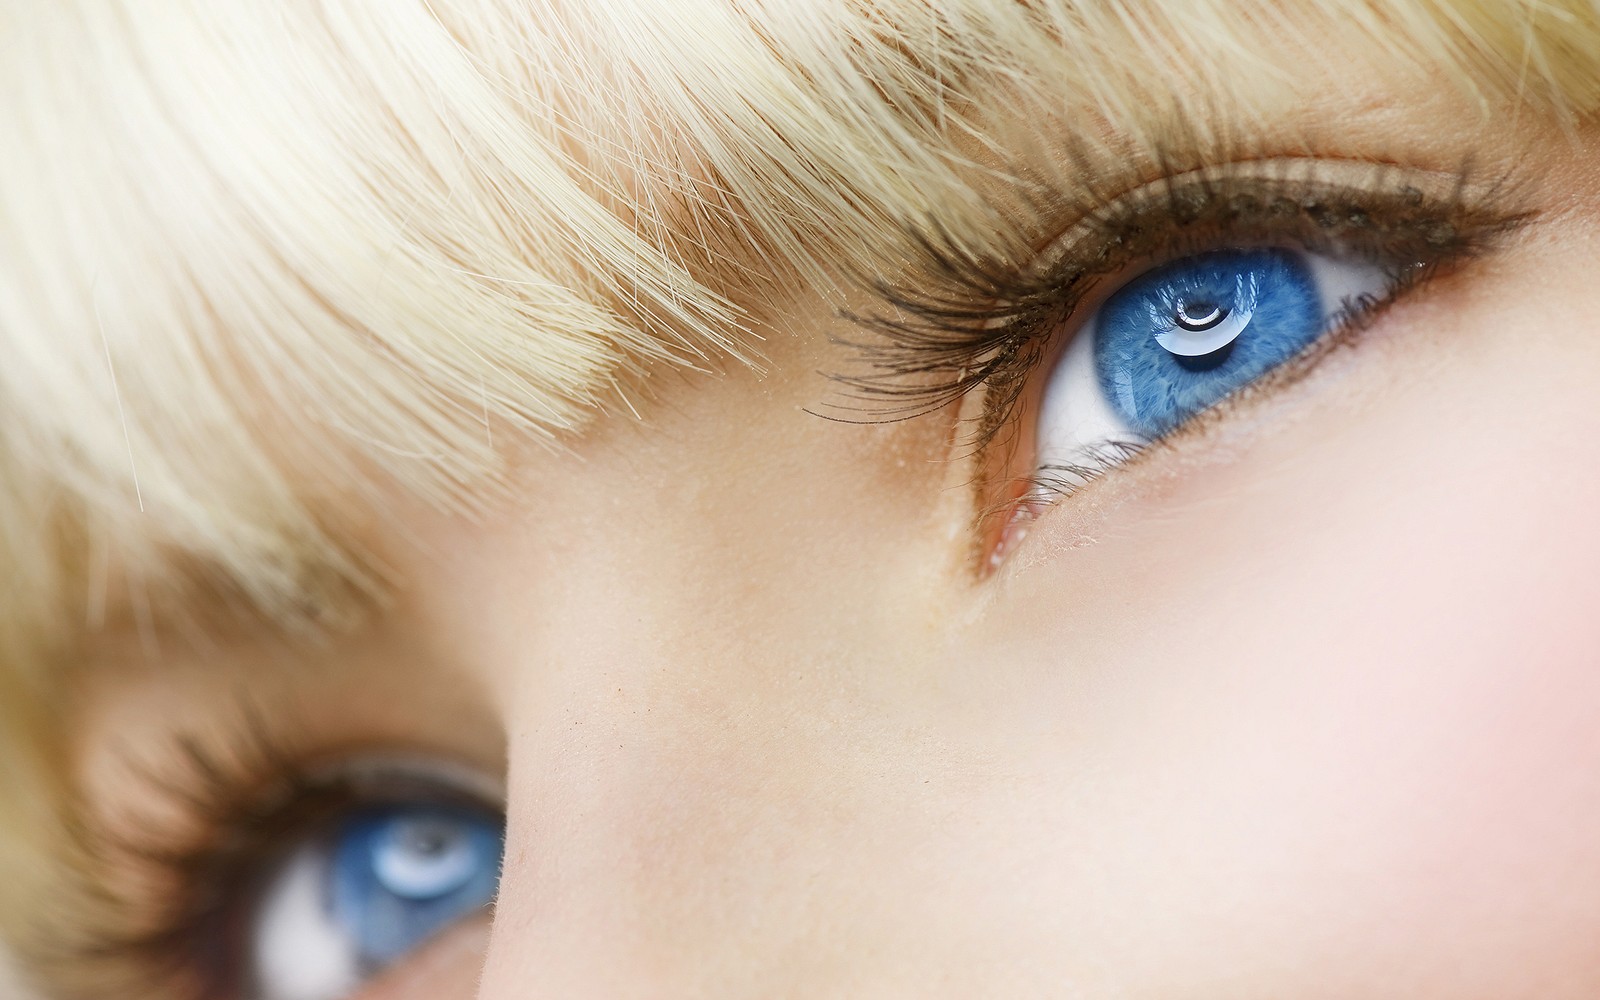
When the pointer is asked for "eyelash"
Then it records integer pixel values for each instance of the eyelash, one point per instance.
(229, 803)
(220, 804)
(968, 319)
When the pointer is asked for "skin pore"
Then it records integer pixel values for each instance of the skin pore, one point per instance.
(1297, 703)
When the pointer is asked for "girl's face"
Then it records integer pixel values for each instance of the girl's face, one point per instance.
(1299, 701)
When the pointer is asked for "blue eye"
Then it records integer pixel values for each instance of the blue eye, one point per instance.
(1173, 342)
(1178, 339)
(382, 883)
(399, 876)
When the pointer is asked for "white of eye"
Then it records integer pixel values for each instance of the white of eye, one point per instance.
(1078, 428)
(300, 952)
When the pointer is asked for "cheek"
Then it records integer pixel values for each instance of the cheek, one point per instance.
(1345, 676)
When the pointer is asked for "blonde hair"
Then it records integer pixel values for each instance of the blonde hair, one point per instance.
(260, 254)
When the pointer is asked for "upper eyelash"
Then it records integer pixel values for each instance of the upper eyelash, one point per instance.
(221, 801)
(970, 319)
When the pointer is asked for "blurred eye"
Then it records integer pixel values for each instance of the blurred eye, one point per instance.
(362, 894)
(1178, 339)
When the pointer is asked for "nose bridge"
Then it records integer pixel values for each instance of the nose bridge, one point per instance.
(710, 692)
(676, 847)
(695, 789)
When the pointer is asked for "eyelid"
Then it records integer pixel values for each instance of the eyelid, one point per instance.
(1302, 179)
(377, 774)
(1384, 213)
(1408, 223)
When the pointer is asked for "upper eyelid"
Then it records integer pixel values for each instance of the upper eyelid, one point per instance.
(378, 772)
(1454, 216)
(1348, 172)
(1304, 185)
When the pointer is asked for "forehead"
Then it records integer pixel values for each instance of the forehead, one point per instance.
(275, 274)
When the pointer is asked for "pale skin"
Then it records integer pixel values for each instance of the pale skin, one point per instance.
(1299, 705)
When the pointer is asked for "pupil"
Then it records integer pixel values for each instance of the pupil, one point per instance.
(1197, 316)
(1205, 362)
(1178, 339)
(428, 842)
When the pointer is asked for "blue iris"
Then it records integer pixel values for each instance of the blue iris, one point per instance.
(399, 875)
(1176, 340)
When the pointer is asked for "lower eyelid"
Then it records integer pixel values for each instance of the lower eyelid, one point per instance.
(439, 969)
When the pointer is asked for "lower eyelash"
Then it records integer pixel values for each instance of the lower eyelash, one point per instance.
(1051, 484)
(1057, 482)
